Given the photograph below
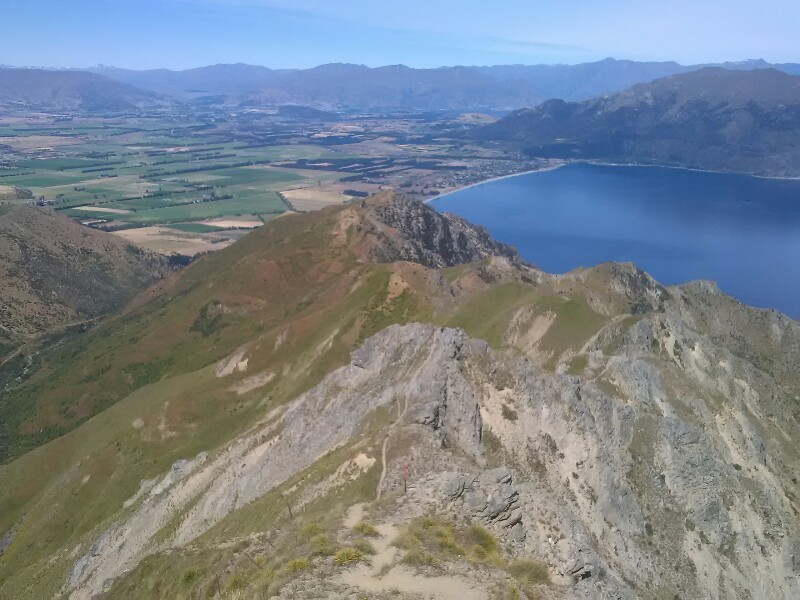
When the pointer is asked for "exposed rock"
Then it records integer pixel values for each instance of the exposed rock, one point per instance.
(5, 540)
(427, 237)
(593, 482)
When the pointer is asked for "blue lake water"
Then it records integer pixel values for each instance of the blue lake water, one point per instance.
(742, 232)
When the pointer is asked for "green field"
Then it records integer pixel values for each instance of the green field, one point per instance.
(154, 173)
(264, 203)
(194, 227)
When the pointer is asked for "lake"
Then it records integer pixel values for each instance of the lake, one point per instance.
(742, 232)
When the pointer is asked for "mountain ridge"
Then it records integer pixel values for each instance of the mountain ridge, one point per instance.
(711, 119)
(519, 434)
(25, 89)
(344, 86)
(56, 272)
(535, 82)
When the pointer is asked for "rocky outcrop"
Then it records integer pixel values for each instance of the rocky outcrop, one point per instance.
(638, 440)
(660, 482)
(410, 364)
(419, 234)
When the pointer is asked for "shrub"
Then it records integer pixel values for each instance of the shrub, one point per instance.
(529, 571)
(479, 536)
(508, 412)
(237, 581)
(296, 564)
(311, 530)
(364, 546)
(367, 529)
(322, 545)
(348, 555)
(418, 556)
(190, 575)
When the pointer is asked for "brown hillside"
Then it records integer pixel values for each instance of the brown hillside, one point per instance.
(54, 271)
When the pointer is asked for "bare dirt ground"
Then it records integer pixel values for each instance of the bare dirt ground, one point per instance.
(382, 574)
(116, 211)
(170, 241)
(243, 223)
(33, 142)
(305, 199)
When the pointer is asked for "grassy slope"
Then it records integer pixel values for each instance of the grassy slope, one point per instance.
(294, 291)
(54, 272)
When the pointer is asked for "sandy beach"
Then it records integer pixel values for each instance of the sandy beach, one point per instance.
(471, 185)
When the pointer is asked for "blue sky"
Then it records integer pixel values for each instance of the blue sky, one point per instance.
(419, 33)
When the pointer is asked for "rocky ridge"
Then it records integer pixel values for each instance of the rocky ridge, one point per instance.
(636, 440)
(404, 229)
(624, 491)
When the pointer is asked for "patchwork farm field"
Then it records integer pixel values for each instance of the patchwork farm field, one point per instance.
(170, 178)
(193, 179)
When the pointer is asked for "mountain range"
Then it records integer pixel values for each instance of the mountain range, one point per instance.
(714, 119)
(350, 86)
(343, 87)
(36, 89)
(380, 400)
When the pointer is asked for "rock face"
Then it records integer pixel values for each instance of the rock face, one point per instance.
(407, 364)
(659, 484)
(423, 236)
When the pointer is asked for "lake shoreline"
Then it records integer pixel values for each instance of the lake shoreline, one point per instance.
(676, 226)
(607, 164)
(692, 169)
(493, 179)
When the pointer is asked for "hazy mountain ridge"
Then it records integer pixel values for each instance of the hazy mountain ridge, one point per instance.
(499, 87)
(339, 86)
(628, 440)
(27, 89)
(213, 79)
(713, 119)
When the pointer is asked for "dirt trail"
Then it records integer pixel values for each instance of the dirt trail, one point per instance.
(379, 576)
(355, 515)
(379, 490)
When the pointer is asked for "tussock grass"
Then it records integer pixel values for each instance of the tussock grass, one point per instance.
(293, 565)
(365, 529)
(364, 546)
(529, 571)
(348, 555)
(430, 541)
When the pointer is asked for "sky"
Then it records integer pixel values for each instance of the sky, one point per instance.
(179, 34)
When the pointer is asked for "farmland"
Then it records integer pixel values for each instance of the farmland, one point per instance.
(196, 182)
(142, 173)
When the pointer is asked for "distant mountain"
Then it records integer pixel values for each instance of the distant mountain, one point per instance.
(356, 87)
(395, 87)
(54, 271)
(711, 119)
(22, 89)
(587, 80)
(759, 63)
(192, 83)
(337, 86)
